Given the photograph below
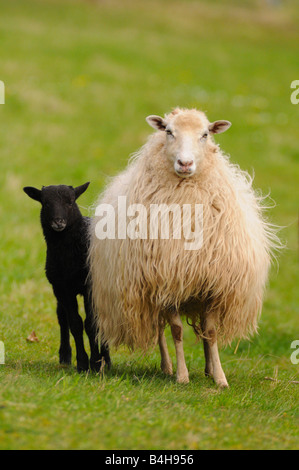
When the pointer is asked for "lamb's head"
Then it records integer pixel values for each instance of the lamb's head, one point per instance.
(187, 138)
(59, 209)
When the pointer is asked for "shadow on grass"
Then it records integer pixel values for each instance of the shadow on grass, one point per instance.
(133, 372)
(38, 367)
(255, 360)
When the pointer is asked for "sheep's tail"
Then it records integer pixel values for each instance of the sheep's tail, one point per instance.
(275, 244)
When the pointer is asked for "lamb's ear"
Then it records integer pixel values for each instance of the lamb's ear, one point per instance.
(34, 193)
(81, 189)
(156, 122)
(219, 126)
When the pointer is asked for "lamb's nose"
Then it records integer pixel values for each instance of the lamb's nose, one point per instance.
(185, 164)
(59, 221)
(58, 224)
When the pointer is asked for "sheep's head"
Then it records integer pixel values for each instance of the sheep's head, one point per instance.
(187, 138)
(59, 209)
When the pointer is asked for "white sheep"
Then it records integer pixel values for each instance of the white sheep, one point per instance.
(142, 283)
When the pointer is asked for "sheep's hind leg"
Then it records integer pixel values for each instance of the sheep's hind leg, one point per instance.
(176, 326)
(209, 365)
(213, 364)
(166, 364)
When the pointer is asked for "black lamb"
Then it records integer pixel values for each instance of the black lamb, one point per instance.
(66, 234)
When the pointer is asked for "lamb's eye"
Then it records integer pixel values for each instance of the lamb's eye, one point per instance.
(204, 136)
(168, 132)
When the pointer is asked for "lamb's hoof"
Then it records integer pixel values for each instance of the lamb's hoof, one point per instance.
(83, 366)
(167, 368)
(95, 366)
(65, 358)
(98, 366)
(65, 363)
(108, 362)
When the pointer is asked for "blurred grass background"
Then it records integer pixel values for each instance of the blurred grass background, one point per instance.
(80, 77)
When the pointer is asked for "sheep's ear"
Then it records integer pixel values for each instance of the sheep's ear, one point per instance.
(34, 193)
(219, 126)
(156, 122)
(81, 189)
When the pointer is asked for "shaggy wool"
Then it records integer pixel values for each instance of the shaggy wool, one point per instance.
(136, 281)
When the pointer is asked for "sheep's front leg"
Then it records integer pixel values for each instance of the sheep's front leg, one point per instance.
(176, 326)
(213, 364)
(166, 364)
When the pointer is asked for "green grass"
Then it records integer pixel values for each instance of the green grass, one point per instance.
(80, 78)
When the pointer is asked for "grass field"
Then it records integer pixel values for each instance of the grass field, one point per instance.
(81, 76)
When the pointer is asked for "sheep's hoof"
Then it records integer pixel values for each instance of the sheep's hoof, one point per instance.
(95, 366)
(65, 363)
(83, 366)
(99, 365)
(167, 368)
(183, 380)
(108, 362)
(81, 369)
(222, 384)
(65, 357)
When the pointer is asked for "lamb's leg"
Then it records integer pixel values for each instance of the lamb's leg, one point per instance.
(176, 326)
(76, 326)
(213, 364)
(65, 350)
(166, 364)
(105, 353)
(70, 304)
(95, 355)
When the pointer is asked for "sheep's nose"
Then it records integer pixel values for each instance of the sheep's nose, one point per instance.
(59, 221)
(58, 224)
(185, 164)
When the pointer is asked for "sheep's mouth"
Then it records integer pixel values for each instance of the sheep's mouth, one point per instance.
(58, 228)
(185, 173)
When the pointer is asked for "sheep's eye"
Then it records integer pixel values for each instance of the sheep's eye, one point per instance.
(204, 136)
(168, 132)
